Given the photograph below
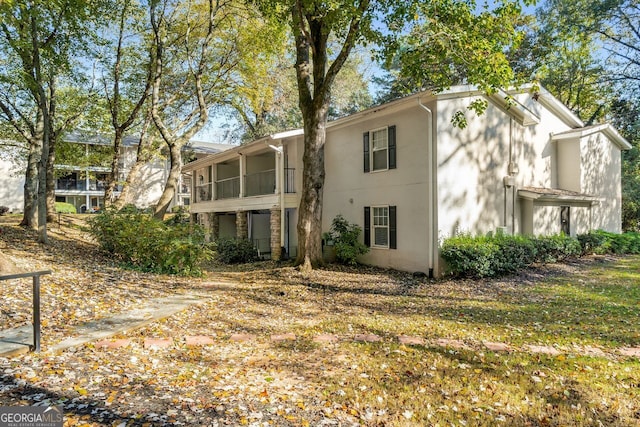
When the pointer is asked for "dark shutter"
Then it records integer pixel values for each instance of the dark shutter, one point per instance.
(367, 226)
(392, 147)
(365, 149)
(393, 234)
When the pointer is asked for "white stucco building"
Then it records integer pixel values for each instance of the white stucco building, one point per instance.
(83, 186)
(409, 178)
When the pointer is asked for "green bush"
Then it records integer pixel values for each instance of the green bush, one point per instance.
(62, 207)
(143, 242)
(490, 256)
(556, 248)
(346, 244)
(235, 251)
(603, 242)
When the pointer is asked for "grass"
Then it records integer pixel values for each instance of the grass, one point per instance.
(586, 309)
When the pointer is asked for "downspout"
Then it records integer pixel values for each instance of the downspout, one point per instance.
(431, 195)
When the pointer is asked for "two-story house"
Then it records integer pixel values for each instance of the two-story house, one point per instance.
(409, 177)
(83, 185)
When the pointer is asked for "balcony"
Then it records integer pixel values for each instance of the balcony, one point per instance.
(228, 188)
(260, 183)
(203, 193)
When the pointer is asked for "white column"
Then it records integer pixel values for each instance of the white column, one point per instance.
(243, 167)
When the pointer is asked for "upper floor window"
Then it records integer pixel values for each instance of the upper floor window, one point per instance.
(379, 147)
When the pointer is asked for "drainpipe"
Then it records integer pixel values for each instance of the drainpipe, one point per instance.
(431, 194)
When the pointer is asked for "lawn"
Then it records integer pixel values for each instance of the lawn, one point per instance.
(586, 311)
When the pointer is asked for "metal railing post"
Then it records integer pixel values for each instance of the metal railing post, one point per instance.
(36, 302)
(36, 313)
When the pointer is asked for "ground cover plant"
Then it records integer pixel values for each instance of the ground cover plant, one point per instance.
(585, 309)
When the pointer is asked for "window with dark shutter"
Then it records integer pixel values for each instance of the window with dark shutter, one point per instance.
(392, 147)
(393, 234)
(365, 145)
(379, 149)
(367, 226)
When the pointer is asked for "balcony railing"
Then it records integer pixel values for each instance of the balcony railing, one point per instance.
(228, 188)
(260, 183)
(203, 193)
(69, 184)
(289, 180)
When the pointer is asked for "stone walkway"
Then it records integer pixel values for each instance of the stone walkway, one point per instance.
(153, 343)
(16, 341)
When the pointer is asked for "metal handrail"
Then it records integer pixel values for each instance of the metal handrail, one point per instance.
(36, 302)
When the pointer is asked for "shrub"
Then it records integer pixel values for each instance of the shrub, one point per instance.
(235, 251)
(556, 248)
(345, 237)
(143, 242)
(489, 256)
(602, 242)
(62, 207)
(3, 210)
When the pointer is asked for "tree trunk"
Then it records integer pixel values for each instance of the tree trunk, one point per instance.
(310, 210)
(112, 177)
(30, 218)
(51, 182)
(175, 158)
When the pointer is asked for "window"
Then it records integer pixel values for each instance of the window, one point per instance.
(380, 149)
(380, 226)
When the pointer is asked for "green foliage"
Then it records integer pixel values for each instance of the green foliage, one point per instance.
(3, 210)
(556, 248)
(143, 242)
(235, 251)
(62, 207)
(452, 42)
(602, 242)
(490, 256)
(346, 243)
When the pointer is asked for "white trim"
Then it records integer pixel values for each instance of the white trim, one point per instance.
(609, 131)
(373, 227)
(371, 150)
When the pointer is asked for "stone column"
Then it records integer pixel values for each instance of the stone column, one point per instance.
(276, 248)
(214, 224)
(242, 229)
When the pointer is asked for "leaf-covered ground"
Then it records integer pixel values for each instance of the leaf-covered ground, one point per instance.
(587, 311)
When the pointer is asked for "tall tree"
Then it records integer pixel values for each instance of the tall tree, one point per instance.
(37, 41)
(126, 80)
(565, 60)
(351, 22)
(196, 45)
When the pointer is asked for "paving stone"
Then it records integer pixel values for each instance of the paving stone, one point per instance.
(322, 338)
(589, 350)
(198, 340)
(409, 340)
(543, 349)
(367, 338)
(242, 337)
(457, 344)
(283, 337)
(630, 351)
(496, 346)
(157, 343)
(112, 343)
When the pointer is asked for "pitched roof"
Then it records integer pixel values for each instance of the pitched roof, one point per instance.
(544, 194)
(606, 129)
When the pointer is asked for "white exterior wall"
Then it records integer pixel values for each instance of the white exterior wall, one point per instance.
(471, 165)
(12, 186)
(348, 189)
(147, 189)
(569, 165)
(601, 176)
